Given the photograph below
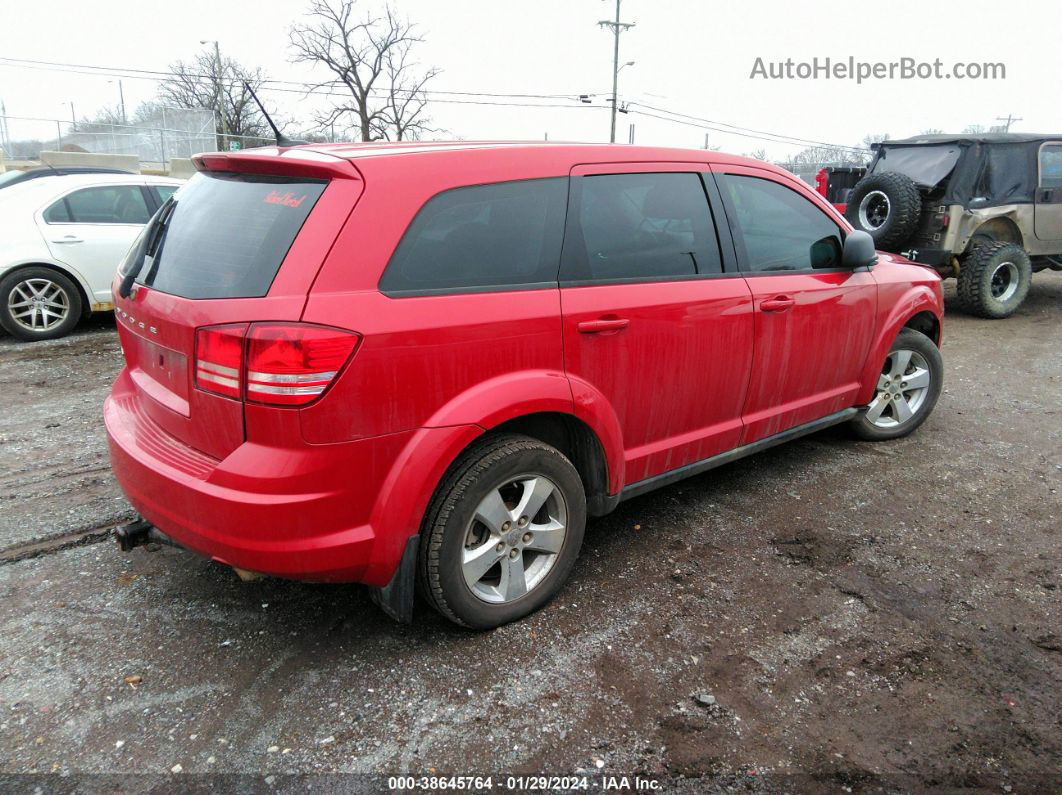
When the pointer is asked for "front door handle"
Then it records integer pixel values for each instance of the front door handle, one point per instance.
(69, 239)
(603, 325)
(780, 303)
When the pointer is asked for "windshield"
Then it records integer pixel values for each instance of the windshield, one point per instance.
(224, 235)
(926, 165)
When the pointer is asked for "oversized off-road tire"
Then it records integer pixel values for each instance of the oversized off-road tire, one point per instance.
(908, 387)
(994, 279)
(502, 532)
(887, 206)
(38, 303)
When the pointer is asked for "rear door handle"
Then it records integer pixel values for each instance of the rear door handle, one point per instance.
(605, 324)
(780, 303)
(69, 239)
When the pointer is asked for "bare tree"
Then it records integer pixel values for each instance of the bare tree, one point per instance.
(371, 58)
(973, 129)
(219, 86)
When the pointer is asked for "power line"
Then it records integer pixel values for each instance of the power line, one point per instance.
(305, 88)
(750, 132)
(156, 74)
(701, 126)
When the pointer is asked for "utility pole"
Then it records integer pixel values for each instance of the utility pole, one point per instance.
(217, 83)
(1009, 120)
(616, 27)
(121, 100)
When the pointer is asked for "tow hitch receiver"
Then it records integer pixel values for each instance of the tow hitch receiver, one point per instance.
(132, 534)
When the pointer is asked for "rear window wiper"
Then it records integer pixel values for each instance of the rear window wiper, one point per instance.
(147, 247)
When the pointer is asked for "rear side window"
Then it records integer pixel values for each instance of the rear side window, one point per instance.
(114, 204)
(641, 227)
(778, 229)
(227, 234)
(165, 191)
(488, 237)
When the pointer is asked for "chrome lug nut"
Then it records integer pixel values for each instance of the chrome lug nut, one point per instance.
(514, 553)
(527, 538)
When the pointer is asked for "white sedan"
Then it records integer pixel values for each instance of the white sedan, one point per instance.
(61, 239)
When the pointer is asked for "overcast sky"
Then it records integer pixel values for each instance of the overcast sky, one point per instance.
(690, 57)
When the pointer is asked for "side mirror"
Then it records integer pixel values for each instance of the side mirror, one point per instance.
(859, 251)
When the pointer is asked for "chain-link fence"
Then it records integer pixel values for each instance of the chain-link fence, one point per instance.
(169, 133)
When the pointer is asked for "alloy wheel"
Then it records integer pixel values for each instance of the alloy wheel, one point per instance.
(514, 539)
(38, 304)
(902, 389)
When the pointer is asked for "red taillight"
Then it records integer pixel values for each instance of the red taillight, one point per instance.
(286, 364)
(219, 359)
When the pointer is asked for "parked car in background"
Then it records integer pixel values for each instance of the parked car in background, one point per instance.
(986, 209)
(61, 238)
(400, 363)
(9, 178)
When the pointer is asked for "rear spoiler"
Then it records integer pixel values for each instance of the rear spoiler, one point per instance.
(273, 161)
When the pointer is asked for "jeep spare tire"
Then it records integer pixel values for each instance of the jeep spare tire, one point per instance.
(887, 206)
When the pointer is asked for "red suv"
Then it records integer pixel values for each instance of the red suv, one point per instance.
(424, 365)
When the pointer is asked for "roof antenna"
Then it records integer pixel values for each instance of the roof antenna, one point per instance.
(281, 139)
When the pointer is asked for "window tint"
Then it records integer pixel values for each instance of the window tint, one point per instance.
(227, 234)
(115, 204)
(502, 235)
(778, 228)
(165, 191)
(641, 226)
(57, 213)
(1051, 166)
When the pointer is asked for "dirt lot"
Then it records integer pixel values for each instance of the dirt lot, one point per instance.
(831, 615)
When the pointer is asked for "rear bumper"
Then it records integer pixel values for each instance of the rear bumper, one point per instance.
(301, 512)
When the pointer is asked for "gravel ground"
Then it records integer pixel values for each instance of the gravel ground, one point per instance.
(832, 615)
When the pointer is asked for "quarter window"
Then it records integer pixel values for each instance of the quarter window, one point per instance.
(778, 228)
(115, 204)
(1051, 166)
(641, 227)
(501, 236)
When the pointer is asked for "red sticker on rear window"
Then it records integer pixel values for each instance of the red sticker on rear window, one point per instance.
(286, 199)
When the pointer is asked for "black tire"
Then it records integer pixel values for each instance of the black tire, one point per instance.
(925, 353)
(994, 280)
(484, 468)
(896, 217)
(64, 291)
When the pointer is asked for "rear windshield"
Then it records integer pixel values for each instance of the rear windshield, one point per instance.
(227, 234)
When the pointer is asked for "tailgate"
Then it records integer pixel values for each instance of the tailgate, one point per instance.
(233, 248)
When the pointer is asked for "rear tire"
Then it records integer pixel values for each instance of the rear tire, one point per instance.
(38, 303)
(502, 532)
(908, 387)
(887, 206)
(994, 280)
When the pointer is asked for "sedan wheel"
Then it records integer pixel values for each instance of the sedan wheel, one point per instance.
(38, 304)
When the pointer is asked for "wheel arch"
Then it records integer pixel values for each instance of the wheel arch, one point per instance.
(1001, 229)
(920, 310)
(70, 273)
